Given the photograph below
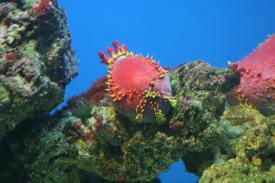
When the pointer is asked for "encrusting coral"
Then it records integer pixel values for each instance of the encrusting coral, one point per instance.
(127, 127)
(246, 151)
(91, 136)
(41, 6)
(36, 60)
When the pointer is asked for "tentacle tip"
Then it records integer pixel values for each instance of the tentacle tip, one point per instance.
(104, 58)
(100, 54)
(115, 43)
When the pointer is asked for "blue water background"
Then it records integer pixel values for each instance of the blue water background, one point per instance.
(174, 32)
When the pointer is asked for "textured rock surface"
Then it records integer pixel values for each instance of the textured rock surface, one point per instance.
(89, 141)
(36, 60)
(245, 152)
(89, 136)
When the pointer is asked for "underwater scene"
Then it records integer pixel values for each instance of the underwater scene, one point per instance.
(147, 91)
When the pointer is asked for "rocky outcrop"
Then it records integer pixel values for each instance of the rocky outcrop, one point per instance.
(36, 60)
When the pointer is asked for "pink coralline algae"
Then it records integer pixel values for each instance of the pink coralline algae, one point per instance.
(257, 85)
(92, 96)
(139, 86)
(41, 6)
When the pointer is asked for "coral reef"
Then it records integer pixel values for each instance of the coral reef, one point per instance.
(127, 127)
(257, 86)
(36, 60)
(246, 152)
(140, 88)
(91, 136)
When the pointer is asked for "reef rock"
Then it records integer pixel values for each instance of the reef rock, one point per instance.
(246, 151)
(90, 136)
(36, 60)
(129, 126)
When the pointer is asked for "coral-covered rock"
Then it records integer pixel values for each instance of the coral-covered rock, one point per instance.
(36, 60)
(238, 171)
(246, 133)
(90, 136)
(257, 86)
(140, 87)
(93, 139)
(246, 151)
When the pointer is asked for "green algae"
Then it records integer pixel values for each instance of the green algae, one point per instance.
(29, 50)
(4, 96)
(245, 151)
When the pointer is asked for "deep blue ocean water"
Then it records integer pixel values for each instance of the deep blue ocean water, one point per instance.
(174, 32)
